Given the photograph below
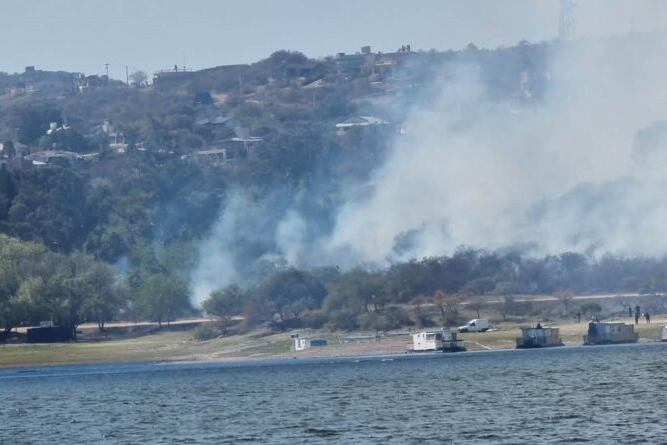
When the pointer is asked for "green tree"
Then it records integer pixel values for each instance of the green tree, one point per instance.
(357, 291)
(293, 292)
(226, 302)
(18, 261)
(163, 298)
(107, 296)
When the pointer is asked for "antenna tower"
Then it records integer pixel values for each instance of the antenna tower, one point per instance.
(566, 22)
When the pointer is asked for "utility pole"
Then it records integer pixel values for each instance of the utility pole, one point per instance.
(106, 69)
(566, 22)
(127, 76)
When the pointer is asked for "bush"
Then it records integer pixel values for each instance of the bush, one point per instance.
(398, 317)
(206, 332)
(343, 319)
(590, 308)
(425, 320)
(391, 318)
(314, 319)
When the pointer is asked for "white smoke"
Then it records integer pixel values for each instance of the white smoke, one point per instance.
(546, 175)
(556, 176)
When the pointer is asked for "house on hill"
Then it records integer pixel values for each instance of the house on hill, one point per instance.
(170, 78)
(116, 138)
(225, 152)
(363, 123)
(219, 127)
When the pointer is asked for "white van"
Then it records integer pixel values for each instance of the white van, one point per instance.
(476, 325)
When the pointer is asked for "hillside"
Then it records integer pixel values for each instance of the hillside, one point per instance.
(248, 167)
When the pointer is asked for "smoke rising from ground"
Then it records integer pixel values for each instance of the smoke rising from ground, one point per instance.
(556, 176)
(562, 173)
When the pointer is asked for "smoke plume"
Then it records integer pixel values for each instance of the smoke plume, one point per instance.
(578, 169)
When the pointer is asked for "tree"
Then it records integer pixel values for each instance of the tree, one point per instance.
(505, 305)
(565, 298)
(106, 295)
(448, 304)
(138, 78)
(293, 292)
(33, 120)
(477, 304)
(356, 291)
(226, 302)
(163, 297)
(590, 308)
(18, 261)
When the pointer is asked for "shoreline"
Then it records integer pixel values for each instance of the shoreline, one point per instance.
(178, 345)
(285, 359)
(323, 359)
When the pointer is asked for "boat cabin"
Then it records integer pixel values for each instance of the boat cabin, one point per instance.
(444, 340)
(601, 333)
(538, 337)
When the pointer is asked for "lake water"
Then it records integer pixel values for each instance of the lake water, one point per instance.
(612, 394)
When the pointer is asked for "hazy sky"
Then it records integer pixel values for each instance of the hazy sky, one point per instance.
(83, 35)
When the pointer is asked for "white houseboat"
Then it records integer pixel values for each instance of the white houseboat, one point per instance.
(444, 340)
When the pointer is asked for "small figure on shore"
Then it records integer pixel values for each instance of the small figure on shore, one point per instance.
(539, 326)
(637, 309)
(630, 311)
(647, 316)
(578, 317)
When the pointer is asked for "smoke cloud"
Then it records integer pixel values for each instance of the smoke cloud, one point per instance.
(555, 176)
(579, 169)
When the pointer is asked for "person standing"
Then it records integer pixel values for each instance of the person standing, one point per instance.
(637, 308)
(630, 311)
(647, 316)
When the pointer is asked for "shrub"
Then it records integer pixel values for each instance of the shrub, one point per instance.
(397, 317)
(206, 332)
(343, 319)
(314, 319)
(425, 320)
(391, 318)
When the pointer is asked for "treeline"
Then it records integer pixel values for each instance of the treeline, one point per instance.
(374, 299)
(37, 284)
(40, 285)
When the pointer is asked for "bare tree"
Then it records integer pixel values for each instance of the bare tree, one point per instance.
(565, 298)
(447, 304)
(477, 304)
(139, 78)
(505, 305)
(418, 302)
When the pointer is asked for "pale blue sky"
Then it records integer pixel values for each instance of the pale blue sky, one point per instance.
(83, 35)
